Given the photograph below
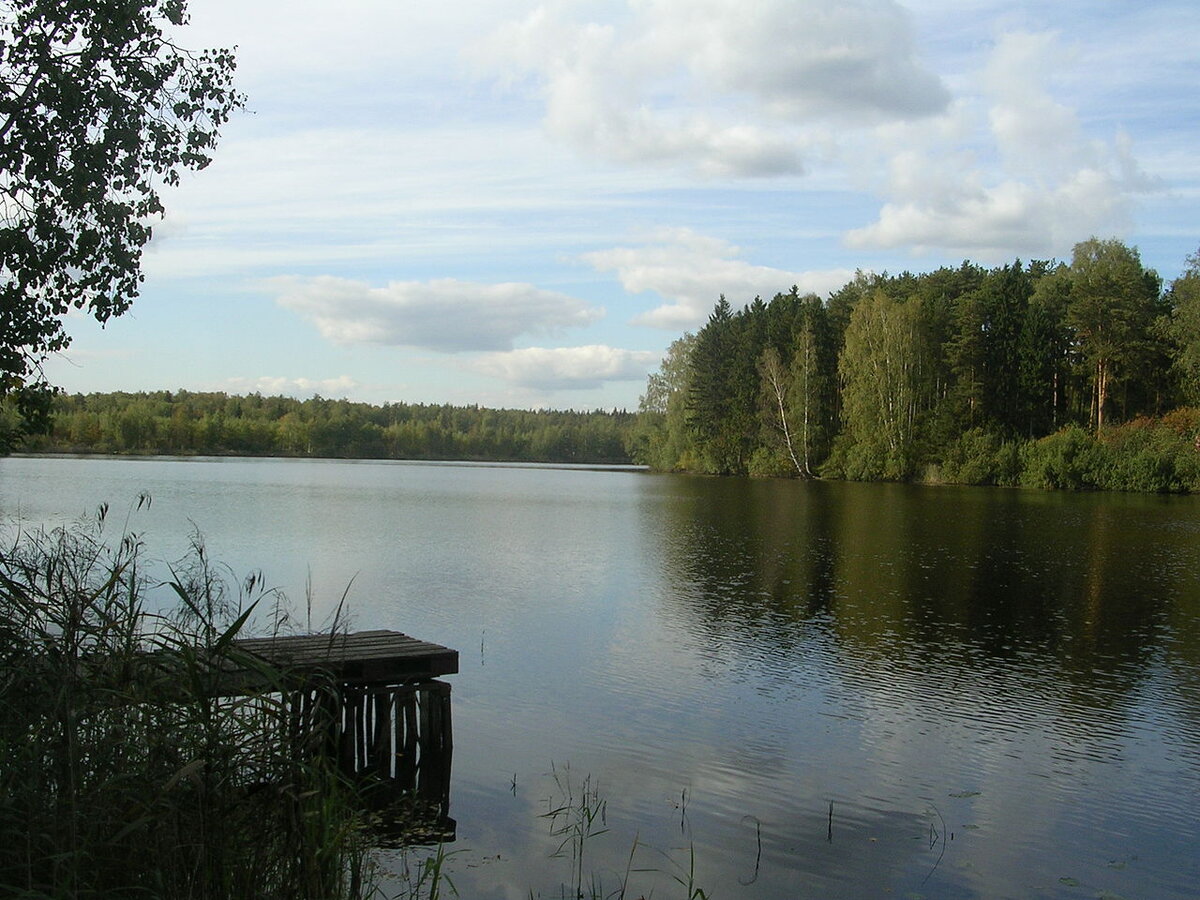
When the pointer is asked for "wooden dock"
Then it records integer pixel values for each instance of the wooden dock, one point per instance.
(361, 657)
(390, 726)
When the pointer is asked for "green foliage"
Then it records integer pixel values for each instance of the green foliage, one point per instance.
(721, 421)
(795, 375)
(867, 460)
(768, 463)
(1150, 455)
(23, 411)
(1182, 328)
(882, 368)
(759, 376)
(126, 772)
(981, 457)
(1008, 463)
(1070, 459)
(98, 109)
(781, 432)
(182, 422)
(1112, 308)
(660, 437)
(1154, 455)
(961, 374)
(1043, 359)
(983, 349)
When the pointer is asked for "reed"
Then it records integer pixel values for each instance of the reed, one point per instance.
(427, 877)
(125, 769)
(579, 816)
(577, 813)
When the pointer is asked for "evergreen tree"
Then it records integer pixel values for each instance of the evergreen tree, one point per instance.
(711, 392)
(983, 351)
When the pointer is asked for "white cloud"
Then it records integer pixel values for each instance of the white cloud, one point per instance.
(1035, 134)
(799, 57)
(272, 385)
(692, 271)
(1032, 182)
(445, 314)
(997, 221)
(564, 368)
(721, 86)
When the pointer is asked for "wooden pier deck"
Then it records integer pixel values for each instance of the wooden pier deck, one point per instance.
(361, 657)
(391, 725)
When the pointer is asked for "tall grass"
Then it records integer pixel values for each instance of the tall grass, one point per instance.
(125, 768)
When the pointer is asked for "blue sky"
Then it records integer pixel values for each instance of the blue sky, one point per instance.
(522, 204)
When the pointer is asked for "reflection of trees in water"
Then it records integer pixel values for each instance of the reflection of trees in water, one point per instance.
(748, 556)
(1086, 585)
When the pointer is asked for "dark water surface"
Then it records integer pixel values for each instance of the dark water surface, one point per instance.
(789, 690)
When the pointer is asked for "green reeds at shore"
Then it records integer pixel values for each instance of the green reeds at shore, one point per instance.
(125, 771)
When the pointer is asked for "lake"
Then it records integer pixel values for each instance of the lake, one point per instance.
(784, 689)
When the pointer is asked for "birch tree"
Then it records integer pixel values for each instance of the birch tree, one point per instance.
(881, 368)
(776, 394)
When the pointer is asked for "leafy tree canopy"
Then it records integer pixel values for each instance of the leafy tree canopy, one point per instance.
(1183, 327)
(962, 374)
(99, 108)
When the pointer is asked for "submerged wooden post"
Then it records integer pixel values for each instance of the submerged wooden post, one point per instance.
(381, 734)
(406, 759)
(436, 744)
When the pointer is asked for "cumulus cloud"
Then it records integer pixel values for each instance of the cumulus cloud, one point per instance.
(273, 385)
(564, 368)
(799, 57)
(691, 270)
(721, 86)
(445, 314)
(1035, 134)
(1033, 182)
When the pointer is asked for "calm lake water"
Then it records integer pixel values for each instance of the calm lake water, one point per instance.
(793, 690)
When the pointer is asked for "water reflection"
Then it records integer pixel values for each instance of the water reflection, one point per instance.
(999, 658)
(941, 573)
(728, 657)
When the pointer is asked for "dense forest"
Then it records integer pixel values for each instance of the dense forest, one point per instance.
(1079, 375)
(183, 422)
(1072, 375)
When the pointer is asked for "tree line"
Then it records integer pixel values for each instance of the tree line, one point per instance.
(186, 422)
(1063, 375)
(1079, 375)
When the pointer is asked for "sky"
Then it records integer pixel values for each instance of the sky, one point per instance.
(522, 204)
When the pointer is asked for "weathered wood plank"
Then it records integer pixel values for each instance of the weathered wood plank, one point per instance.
(363, 657)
